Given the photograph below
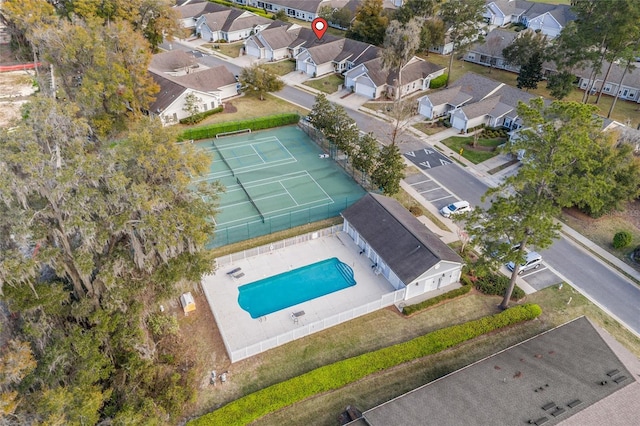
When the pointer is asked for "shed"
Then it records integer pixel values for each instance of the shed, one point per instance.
(187, 302)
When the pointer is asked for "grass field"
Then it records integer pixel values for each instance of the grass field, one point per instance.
(228, 49)
(625, 111)
(476, 156)
(281, 67)
(328, 84)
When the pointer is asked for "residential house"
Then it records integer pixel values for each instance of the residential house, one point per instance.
(324, 57)
(281, 40)
(443, 49)
(549, 19)
(626, 84)
(471, 87)
(190, 12)
(370, 79)
(498, 110)
(306, 10)
(489, 52)
(400, 247)
(229, 25)
(177, 78)
(574, 374)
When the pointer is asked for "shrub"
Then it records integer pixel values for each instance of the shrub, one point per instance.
(622, 239)
(196, 118)
(438, 82)
(212, 130)
(416, 210)
(465, 280)
(496, 285)
(411, 309)
(333, 376)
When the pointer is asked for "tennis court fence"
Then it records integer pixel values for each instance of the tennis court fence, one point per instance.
(251, 229)
(229, 259)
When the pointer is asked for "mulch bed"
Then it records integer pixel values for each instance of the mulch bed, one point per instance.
(229, 108)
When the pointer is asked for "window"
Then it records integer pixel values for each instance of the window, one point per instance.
(213, 104)
(204, 107)
(291, 12)
(607, 88)
(261, 5)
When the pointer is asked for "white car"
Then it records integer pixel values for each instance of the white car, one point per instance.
(455, 208)
(533, 260)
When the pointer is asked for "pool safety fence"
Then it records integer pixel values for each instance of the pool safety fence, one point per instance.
(229, 259)
(278, 222)
(302, 330)
(340, 158)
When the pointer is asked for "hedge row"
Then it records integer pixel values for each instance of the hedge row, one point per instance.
(408, 310)
(196, 118)
(255, 10)
(210, 131)
(333, 376)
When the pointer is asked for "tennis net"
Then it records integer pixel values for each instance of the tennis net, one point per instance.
(250, 199)
(224, 160)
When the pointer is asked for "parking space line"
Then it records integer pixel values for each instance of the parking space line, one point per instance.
(438, 199)
(535, 271)
(422, 181)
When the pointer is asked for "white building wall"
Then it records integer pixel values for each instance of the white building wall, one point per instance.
(175, 112)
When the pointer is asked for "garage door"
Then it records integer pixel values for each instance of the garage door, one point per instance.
(364, 90)
(253, 50)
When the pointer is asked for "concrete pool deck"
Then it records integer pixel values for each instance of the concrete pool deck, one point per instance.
(244, 336)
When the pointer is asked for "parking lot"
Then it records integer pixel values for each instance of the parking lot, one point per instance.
(431, 190)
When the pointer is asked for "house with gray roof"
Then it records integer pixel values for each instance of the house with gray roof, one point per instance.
(400, 247)
(229, 25)
(469, 88)
(574, 374)
(173, 62)
(489, 52)
(550, 19)
(626, 83)
(323, 57)
(282, 40)
(306, 10)
(210, 87)
(370, 79)
(497, 110)
(501, 13)
(188, 13)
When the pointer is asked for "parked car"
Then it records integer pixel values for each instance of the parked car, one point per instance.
(533, 260)
(455, 208)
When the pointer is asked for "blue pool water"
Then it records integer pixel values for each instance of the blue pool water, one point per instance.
(281, 291)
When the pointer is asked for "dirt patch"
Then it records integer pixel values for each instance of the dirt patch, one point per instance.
(15, 87)
(229, 108)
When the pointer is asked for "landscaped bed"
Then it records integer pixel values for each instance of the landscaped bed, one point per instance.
(328, 84)
(485, 149)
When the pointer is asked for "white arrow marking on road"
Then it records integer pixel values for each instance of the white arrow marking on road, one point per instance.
(410, 153)
(444, 162)
(427, 151)
(425, 164)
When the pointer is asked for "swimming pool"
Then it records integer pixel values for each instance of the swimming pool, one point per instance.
(281, 291)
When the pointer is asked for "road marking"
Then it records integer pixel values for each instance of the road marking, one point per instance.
(429, 190)
(438, 199)
(535, 271)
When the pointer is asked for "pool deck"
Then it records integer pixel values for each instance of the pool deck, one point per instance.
(240, 331)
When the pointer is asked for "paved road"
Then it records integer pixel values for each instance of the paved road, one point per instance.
(596, 280)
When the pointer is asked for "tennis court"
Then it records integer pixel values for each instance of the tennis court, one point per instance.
(274, 179)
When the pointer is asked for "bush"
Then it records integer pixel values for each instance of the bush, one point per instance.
(496, 285)
(438, 82)
(622, 239)
(411, 309)
(416, 210)
(210, 131)
(196, 118)
(334, 376)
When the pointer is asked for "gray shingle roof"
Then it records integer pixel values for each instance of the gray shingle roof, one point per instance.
(405, 244)
(311, 6)
(169, 92)
(495, 42)
(513, 7)
(171, 61)
(232, 20)
(476, 85)
(208, 80)
(195, 10)
(511, 387)
(413, 71)
(483, 107)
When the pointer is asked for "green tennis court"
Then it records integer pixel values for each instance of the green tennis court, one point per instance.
(275, 179)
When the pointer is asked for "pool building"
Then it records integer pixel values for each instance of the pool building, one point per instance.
(381, 255)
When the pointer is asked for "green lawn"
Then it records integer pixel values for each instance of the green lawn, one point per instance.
(328, 84)
(228, 49)
(281, 67)
(476, 156)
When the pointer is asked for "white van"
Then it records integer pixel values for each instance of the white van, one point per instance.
(533, 260)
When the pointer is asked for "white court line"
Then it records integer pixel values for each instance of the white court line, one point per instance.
(258, 154)
(288, 193)
(211, 175)
(246, 142)
(443, 198)
(318, 185)
(273, 179)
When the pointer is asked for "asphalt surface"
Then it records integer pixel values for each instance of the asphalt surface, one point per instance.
(596, 280)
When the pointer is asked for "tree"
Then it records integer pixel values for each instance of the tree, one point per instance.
(281, 15)
(530, 73)
(335, 124)
(320, 115)
(369, 23)
(389, 170)
(259, 80)
(192, 106)
(526, 45)
(565, 148)
(95, 233)
(560, 84)
(401, 43)
(15, 363)
(415, 9)
(340, 18)
(463, 19)
(431, 34)
(365, 154)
